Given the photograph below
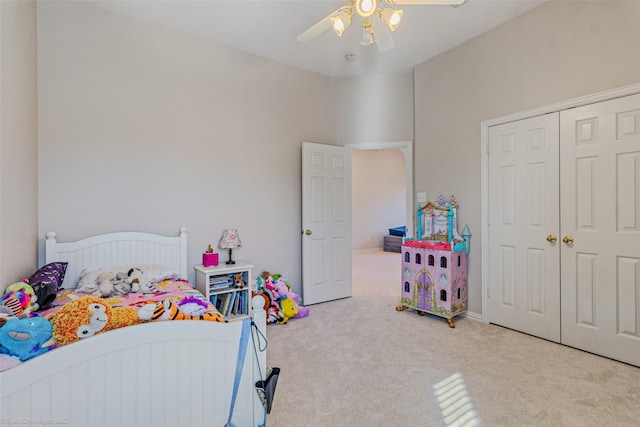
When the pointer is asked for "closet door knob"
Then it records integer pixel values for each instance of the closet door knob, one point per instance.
(552, 238)
(567, 239)
(307, 232)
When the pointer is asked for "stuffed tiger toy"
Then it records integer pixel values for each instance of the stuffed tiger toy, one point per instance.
(167, 310)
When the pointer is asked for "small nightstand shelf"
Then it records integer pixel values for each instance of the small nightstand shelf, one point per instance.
(217, 285)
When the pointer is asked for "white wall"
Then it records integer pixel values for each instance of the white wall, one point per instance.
(558, 51)
(378, 195)
(18, 141)
(375, 108)
(144, 128)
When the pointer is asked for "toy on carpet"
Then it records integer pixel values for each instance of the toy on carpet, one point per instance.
(277, 292)
(288, 309)
(168, 310)
(85, 316)
(20, 299)
(285, 292)
(267, 282)
(26, 338)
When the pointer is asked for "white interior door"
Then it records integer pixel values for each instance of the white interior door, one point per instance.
(524, 276)
(600, 191)
(326, 222)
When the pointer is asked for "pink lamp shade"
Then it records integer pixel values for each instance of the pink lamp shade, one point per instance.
(230, 239)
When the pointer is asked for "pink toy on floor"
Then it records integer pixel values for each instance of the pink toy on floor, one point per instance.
(285, 292)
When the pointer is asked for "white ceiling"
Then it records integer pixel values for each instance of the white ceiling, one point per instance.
(269, 28)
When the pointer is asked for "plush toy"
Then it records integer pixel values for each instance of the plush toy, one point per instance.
(288, 310)
(85, 316)
(121, 285)
(25, 287)
(237, 281)
(105, 285)
(273, 313)
(139, 283)
(192, 306)
(26, 338)
(20, 298)
(90, 287)
(285, 292)
(167, 310)
(267, 283)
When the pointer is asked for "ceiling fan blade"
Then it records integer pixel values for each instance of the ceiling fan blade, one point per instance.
(382, 35)
(318, 28)
(426, 2)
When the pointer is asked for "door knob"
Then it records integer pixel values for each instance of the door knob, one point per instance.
(552, 238)
(307, 232)
(567, 239)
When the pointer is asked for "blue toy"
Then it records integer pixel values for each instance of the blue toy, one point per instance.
(25, 338)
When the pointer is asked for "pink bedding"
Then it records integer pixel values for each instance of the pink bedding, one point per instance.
(169, 289)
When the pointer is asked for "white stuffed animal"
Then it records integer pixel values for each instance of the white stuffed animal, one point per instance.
(105, 285)
(121, 284)
(139, 283)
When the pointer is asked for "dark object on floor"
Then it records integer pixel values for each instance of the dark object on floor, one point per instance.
(267, 389)
(392, 243)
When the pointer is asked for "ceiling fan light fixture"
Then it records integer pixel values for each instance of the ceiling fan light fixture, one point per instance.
(366, 8)
(392, 17)
(366, 38)
(340, 22)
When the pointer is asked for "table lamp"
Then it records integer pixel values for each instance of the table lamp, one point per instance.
(230, 240)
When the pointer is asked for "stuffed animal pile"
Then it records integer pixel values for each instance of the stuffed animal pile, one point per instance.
(109, 284)
(281, 304)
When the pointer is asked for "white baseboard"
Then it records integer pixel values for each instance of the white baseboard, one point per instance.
(473, 316)
(366, 251)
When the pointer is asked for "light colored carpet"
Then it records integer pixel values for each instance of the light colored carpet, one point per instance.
(358, 362)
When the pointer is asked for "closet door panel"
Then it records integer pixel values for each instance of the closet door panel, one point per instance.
(600, 219)
(524, 291)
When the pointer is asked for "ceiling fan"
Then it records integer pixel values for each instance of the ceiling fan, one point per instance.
(378, 22)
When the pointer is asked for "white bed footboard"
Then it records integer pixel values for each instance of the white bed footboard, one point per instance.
(171, 373)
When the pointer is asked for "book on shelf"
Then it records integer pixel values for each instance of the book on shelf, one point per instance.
(229, 309)
(236, 303)
(220, 281)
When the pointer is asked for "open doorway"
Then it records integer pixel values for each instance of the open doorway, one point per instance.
(382, 191)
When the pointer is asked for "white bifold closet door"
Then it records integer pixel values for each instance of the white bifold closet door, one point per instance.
(524, 267)
(583, 289)
(600, 212)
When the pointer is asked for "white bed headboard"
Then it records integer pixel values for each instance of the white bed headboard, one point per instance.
(117, 249)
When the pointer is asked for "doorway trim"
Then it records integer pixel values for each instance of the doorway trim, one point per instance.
(407, 149)
(484, 140)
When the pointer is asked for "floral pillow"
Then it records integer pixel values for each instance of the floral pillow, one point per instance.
(46, 282)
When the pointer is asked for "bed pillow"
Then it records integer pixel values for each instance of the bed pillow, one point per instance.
(155, 273)
(46, 282)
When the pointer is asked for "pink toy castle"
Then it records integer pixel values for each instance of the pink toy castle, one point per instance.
(435, 267)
